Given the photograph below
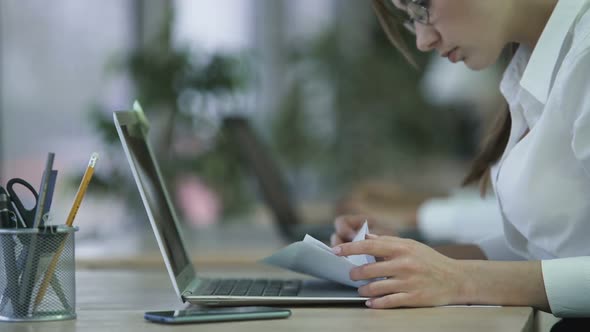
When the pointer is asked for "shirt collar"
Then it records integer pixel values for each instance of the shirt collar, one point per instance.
(539, 72)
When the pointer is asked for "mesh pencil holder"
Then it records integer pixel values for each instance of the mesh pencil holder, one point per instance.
(37, 274)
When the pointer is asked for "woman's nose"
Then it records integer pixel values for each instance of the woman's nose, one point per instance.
(427, 37)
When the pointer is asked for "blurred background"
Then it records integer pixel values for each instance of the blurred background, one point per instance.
(352, 127)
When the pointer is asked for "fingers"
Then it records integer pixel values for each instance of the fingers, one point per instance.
(371, 237)
(382, 269)
(396, 300)
(382, 287)
(378, 247)
(348, 226)
(335, 240)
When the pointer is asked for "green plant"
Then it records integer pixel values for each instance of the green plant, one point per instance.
(377, 121)
(374, 120)
(185, 94)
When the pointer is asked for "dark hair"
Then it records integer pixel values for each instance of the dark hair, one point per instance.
(390, 23)
(494, 144)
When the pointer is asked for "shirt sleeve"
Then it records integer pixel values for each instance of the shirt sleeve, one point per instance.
(567, 284)
(496, 248)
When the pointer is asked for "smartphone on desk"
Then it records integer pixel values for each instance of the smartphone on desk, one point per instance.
(204, 315)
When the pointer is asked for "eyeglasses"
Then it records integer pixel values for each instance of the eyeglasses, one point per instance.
(418, 12)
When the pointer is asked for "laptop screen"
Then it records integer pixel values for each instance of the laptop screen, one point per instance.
(272, 184)
(153, 193)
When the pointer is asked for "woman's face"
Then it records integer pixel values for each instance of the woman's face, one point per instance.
(472, 31)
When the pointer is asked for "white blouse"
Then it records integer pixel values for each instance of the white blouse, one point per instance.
(542, 181)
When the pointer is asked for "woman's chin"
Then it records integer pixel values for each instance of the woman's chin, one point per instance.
(476, 64)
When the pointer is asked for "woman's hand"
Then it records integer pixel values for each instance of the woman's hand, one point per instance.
(346, 228)
(415, 274)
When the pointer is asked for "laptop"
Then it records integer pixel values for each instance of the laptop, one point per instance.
(133, 127)
(275, 191)
(271, 182)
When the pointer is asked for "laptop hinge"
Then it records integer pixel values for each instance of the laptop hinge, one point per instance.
(185, 295)
(190, 289)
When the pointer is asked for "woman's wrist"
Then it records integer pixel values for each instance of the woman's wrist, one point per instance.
(501, 283)
(461, 251)
(467, 289)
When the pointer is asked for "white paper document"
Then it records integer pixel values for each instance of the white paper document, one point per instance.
(314, 258)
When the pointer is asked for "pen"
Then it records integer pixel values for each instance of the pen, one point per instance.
(47, 278)
(43, 191)
(27, 282)
(48, 196)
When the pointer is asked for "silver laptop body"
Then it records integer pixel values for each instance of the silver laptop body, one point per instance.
(133, 128)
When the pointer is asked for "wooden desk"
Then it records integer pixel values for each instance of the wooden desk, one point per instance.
(115, 300)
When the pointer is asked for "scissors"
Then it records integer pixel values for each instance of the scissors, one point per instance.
(27, 215)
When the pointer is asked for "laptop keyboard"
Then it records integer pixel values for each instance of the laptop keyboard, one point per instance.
(249, 287)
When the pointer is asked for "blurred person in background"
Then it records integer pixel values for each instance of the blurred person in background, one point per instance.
(536, 158)
(440, 215)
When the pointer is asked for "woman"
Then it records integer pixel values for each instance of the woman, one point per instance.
(537, 159)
